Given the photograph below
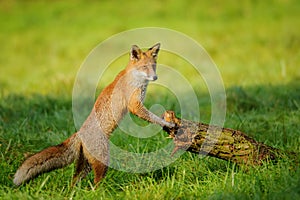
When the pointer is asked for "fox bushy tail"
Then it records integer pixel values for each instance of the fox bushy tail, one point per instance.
(51, 158)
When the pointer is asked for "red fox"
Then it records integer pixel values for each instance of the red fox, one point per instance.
(89, 146)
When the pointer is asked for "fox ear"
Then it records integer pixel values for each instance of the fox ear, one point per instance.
(154, 50)
(135, 53)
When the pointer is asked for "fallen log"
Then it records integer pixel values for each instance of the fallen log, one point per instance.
(223, 143)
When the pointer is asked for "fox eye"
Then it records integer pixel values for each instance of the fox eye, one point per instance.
(144, 66)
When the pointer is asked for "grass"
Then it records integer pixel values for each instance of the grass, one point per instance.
(254, 44)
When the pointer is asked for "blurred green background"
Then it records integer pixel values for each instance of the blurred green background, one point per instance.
(43, 43)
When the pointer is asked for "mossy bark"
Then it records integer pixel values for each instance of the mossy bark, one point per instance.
(223, 143)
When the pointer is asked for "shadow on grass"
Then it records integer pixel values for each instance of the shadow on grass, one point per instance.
(267, 98)
(259, 110)
(31, 123)
(270, 114)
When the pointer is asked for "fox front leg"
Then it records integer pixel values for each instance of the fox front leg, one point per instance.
(141, 111)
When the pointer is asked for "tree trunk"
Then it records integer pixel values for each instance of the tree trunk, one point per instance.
(223, 143)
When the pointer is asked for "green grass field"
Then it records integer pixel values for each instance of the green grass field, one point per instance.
(255, 44)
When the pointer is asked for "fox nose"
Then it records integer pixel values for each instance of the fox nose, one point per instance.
(154, 78)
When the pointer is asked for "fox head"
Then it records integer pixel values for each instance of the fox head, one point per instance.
(142, 65)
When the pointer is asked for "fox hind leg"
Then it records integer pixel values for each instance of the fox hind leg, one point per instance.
(99, 169)
(82, 168)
